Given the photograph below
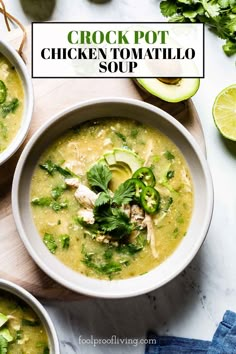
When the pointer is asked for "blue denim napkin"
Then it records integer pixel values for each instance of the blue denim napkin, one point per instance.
(223, 342)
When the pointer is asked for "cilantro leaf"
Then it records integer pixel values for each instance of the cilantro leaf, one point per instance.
(50, 242)
(57, 191)
(51, 167)
(168, 155)
(9, 107)
(113, 221)
(168, 8)
(124, 193)
(48, 202)
(229, 47)
(48, 166)
(99, 177)
(102, 199)
(219, 15)
(43, 201)
(65, 241)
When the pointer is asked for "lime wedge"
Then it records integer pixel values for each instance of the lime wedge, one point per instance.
(224, 112)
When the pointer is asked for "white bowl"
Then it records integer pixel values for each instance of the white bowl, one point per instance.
(38, 309)
(202, 210)
(15, 59)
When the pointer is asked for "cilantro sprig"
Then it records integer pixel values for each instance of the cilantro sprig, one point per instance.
(220, 16)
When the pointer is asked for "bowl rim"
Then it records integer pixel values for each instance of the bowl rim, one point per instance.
(11, 54)
(56, 276)
(37, 307)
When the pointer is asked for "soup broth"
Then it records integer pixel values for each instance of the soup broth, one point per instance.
(11, 102)
(93, 236)
(20, 328)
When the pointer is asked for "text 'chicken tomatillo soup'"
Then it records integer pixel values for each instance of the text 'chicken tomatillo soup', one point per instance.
(112, 198)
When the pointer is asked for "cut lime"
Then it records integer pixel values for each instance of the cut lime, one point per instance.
(224, 112)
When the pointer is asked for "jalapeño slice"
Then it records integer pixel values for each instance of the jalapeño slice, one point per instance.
(139, 187)
(146, 175)
(150, 200)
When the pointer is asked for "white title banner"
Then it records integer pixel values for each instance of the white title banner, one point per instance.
(64, 50)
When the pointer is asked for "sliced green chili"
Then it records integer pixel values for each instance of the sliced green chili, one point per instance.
(146, 175)
(150, 200)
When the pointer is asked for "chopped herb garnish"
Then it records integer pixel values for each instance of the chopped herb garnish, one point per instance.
(30, 323)
(48, 166)
(9, 107)
(57, 191)
(3, 129)
(50, 242)
(170, 174)
(134, 133)
(166, 203)
(46, 350)
(121, 136)
(65, 241)
(51, 167)
(168, 155)
(48, 202)
(43, 201)
(58, 206)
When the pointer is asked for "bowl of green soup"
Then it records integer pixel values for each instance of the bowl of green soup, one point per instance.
(25, 326)
(16, 101)
(112, 198)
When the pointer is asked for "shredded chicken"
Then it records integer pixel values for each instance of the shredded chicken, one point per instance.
(72, 182)
(103, 238)
(150, 234)
(186, 180)
(126, 209)
(137, 215)
(87, 215)
(85, 196)
(148, 152)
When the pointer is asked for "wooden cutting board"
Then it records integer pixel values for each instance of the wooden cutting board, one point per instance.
(52, 96)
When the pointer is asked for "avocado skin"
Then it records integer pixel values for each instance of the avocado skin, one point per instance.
(170, 92)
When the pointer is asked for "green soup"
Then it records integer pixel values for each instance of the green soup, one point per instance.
(11, 102)
(96, 213)
(21, 331)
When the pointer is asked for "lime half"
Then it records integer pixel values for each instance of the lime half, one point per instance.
(224, 112)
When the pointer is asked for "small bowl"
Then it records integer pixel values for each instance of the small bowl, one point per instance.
(14, 58)
(38, 309)
(122, 108)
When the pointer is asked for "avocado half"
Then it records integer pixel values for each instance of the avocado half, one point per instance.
(170, 89)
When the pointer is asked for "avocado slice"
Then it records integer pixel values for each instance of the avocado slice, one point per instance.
(3, 319)
(170, 89)
(110, 158)
(128, 157)
(6, 334)
(122, 163)
(120, 173)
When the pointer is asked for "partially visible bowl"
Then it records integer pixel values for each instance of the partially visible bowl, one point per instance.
(122, 108)
(37, 308)
(14, 58)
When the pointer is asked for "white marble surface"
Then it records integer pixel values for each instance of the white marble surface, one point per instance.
(194, 303)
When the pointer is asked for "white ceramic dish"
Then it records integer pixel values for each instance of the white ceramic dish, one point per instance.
(38, 309)
(203, 200)
(14, 58)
